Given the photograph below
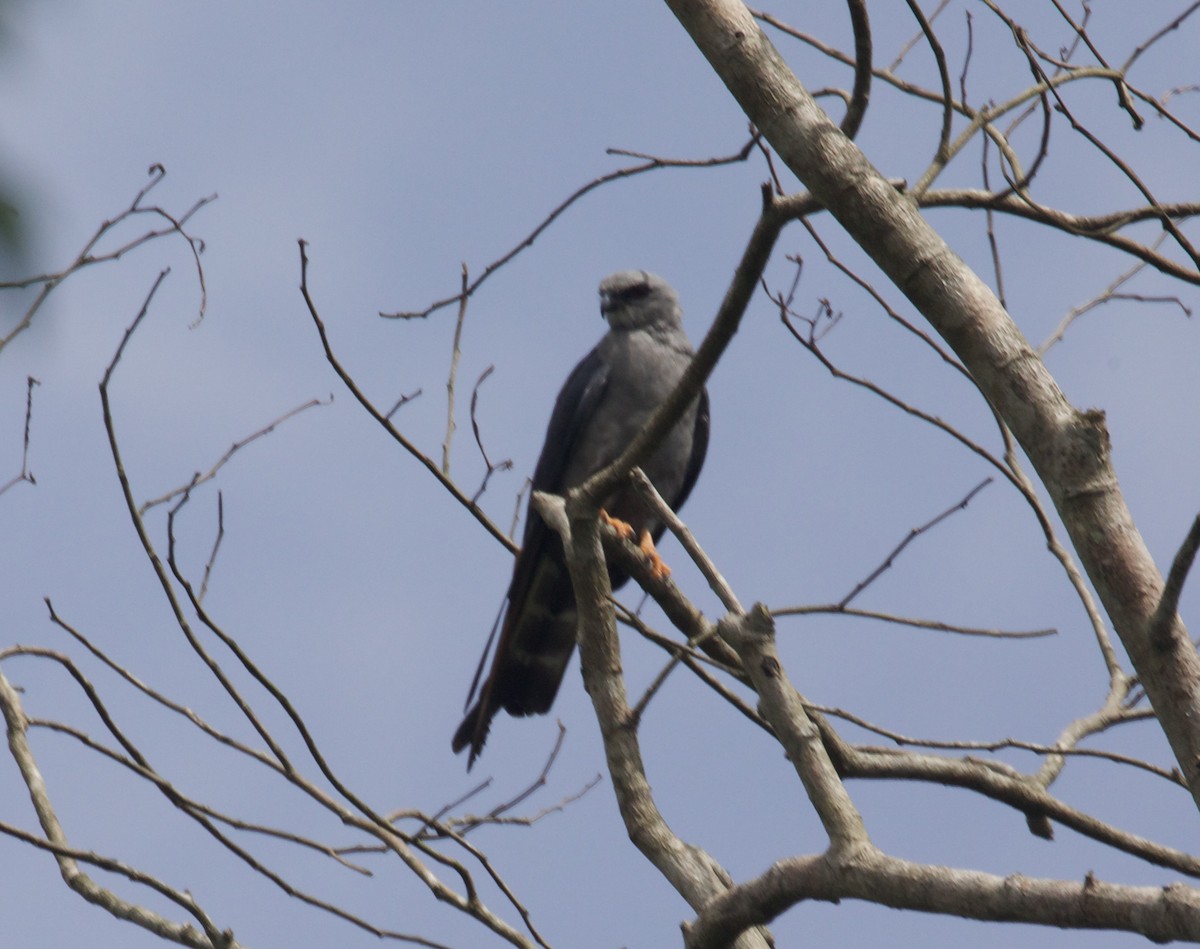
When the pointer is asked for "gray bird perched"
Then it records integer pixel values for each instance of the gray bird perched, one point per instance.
(602, 406)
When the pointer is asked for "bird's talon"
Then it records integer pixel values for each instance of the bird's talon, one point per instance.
(623, 528)
(646, 545)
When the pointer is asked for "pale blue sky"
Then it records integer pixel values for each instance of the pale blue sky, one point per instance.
(401, 139)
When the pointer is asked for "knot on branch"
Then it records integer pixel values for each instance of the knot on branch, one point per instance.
(755, 626)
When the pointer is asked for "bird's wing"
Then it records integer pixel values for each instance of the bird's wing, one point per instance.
(539, 624)
(573, 410)
(699, 450)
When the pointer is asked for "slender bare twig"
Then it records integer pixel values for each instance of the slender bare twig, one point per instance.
(506, 464)
(649, 163)
(24, 474)
(942, 154)
(856, 108)
(1001, 744)
(1155, 37)
(518, 506)
(200, 478)
(836, 609)
(499, 813)
(967, 54)
(383, 419)
(696, 663)
(912, 535)
(907, 48)
(1110, 294)
(212, 557)
(990, 225)
(1114, 711)
(663, 512)
(400, 403)
(455, 353)
(1164, 616)
(89, 255)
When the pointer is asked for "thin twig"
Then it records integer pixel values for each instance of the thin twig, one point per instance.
(212, 557)
(856, 109)
(912, 535)
(401, 402)
(916, 38)
(382, 419)
(506, 464)
(650, 163)
(24, 474)
(1163, 622)
(939, 55)
(88, 256)
(200, 478)
(687, 539)
(1108, 295)
(1001, 744)
(1154, 38)
(836, 609)
(455, 353)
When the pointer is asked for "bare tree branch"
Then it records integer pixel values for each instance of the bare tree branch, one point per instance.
(909, 538)
(1162, 914)
(200, 478)
(69, 858)
(24, 474)
(693, 872)
(1069, 448)
(385, 420)
(89, 256)
(649, 163)
(455, 353)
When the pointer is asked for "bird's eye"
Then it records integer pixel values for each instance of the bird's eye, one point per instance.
(637, 291)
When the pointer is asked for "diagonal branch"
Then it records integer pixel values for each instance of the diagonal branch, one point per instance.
(1069, 448)
(649, 163)
(1162, 914)
(69, 859)
(384, 419)
(696, 876)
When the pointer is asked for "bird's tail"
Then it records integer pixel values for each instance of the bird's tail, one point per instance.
(473, 731)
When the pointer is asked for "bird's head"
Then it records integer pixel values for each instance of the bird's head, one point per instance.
(635, 299)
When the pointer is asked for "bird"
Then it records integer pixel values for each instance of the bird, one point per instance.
(602, 406)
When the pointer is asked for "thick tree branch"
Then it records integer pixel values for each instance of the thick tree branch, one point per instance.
(1162, 914)
(753, 636)
(1068, 447)
(695, 875)
(1002, 783)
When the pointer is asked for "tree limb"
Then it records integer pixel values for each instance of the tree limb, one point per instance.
(1069, 448)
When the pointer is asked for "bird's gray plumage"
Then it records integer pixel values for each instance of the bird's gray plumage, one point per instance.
(602, 406)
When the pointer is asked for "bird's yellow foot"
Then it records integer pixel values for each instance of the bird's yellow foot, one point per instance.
(646, 545)
(624, 528)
